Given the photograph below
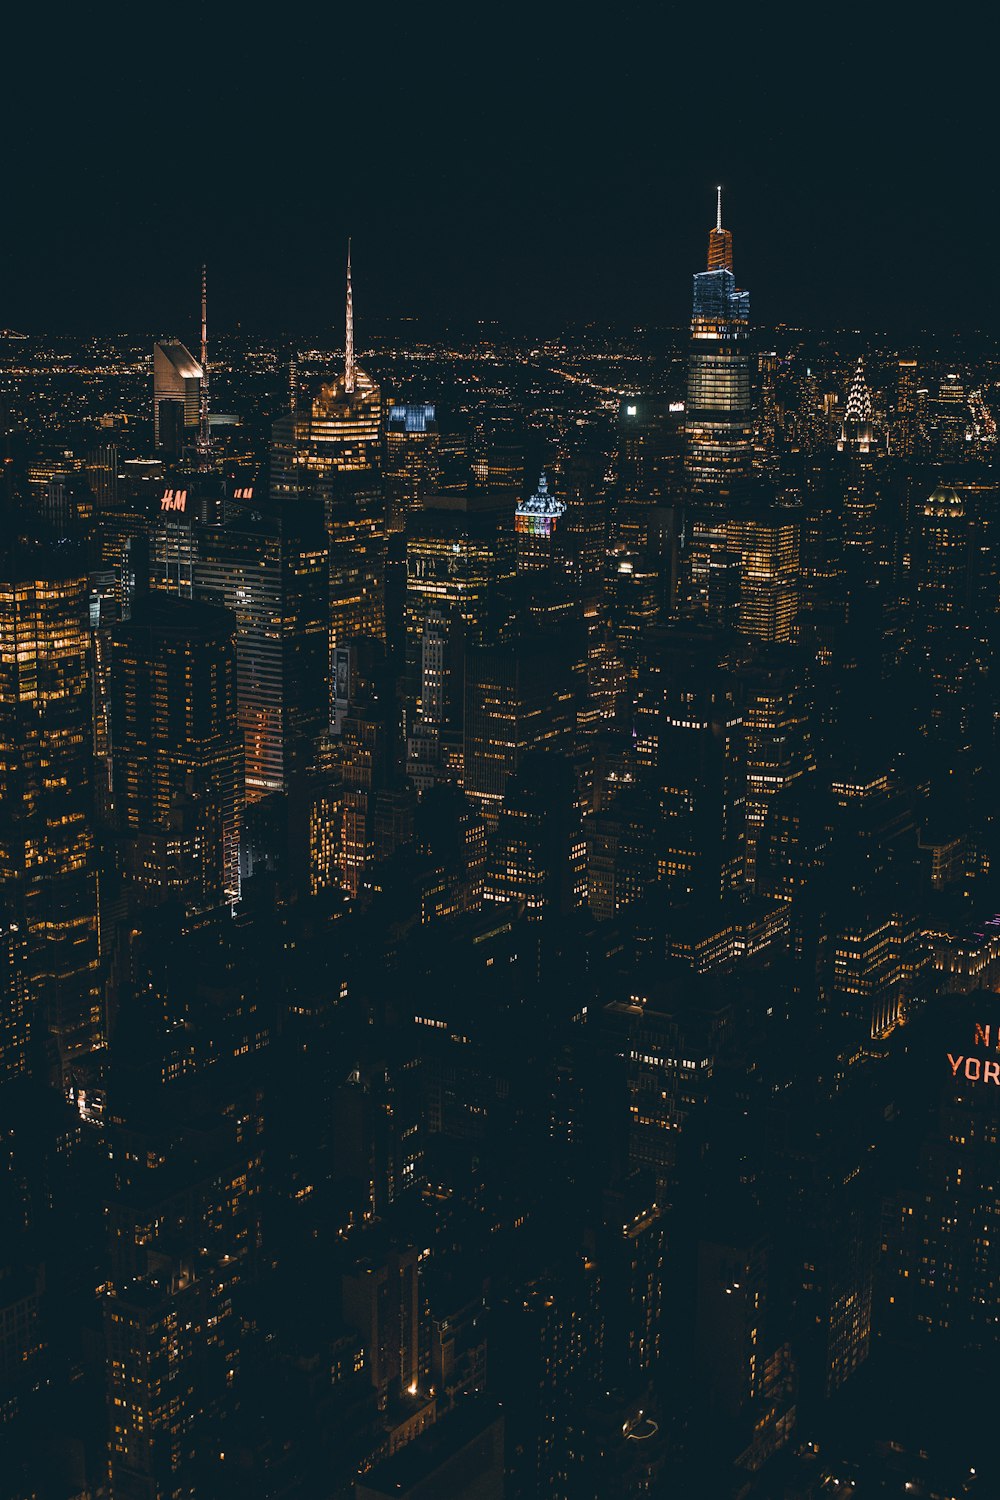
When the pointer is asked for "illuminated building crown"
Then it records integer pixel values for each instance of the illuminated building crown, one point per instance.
(537, 516)
(720, 241)
(857, 429)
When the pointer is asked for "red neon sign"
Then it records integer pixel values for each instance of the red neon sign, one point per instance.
(174, 500)
(978, 1069)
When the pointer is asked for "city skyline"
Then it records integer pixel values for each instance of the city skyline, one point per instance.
(499, 833)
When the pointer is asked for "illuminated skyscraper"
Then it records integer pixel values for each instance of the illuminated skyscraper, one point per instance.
(906, 409)
(177, 751)
(718, 416)
(412, 441)
(272, 573)
(536, 521)
(177, 381)
(857, 431)
(689, 738)
(767, 545)
(47, 870)
(333, 449)
(518, 697)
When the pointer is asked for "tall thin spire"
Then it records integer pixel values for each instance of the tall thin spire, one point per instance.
(204, 438)
(350, 370)
(720, 241)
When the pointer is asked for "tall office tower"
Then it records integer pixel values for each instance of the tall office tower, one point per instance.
(177, 751)
(906, 442)
(718, 418)
(104, 613)
(364, 753)
(519, 696)
(857, 431)
(498, 459)
(412, 467)
(943, 1233)
(767, 545)
(459, 553)
(272, 572)
(101, 468)
(434, 744)
(177, 380)
(15, 1000)
(689, 742)
(538, 853)
(332, 449)
(943, 562)
(47, 871)
(777, 713)
(766, 441)
(183, 1211)
(537, 520)
(382, 1302)
(650, 465)
(581, 483)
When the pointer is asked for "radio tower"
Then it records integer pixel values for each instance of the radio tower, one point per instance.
(349, 366)
(204, 439)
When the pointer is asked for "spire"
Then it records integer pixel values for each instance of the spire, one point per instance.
(204, 439)
(720, 241)
(859, 397)
(857, 433)
(349, 366)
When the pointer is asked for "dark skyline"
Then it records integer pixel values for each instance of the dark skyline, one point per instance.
(541, 171)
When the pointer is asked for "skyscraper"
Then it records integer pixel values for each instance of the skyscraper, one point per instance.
(47, 868)
(718, 417)
(857, 431)
(177, 751)
(272, 572)
(177, 398)
(333, 450)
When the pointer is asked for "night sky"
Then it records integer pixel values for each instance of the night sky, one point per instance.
(540, 166)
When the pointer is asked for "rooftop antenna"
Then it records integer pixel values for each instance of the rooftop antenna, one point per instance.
(204, 440)
(349, 366)
(718, 208)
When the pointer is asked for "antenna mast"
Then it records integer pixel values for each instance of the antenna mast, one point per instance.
(204, 439)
